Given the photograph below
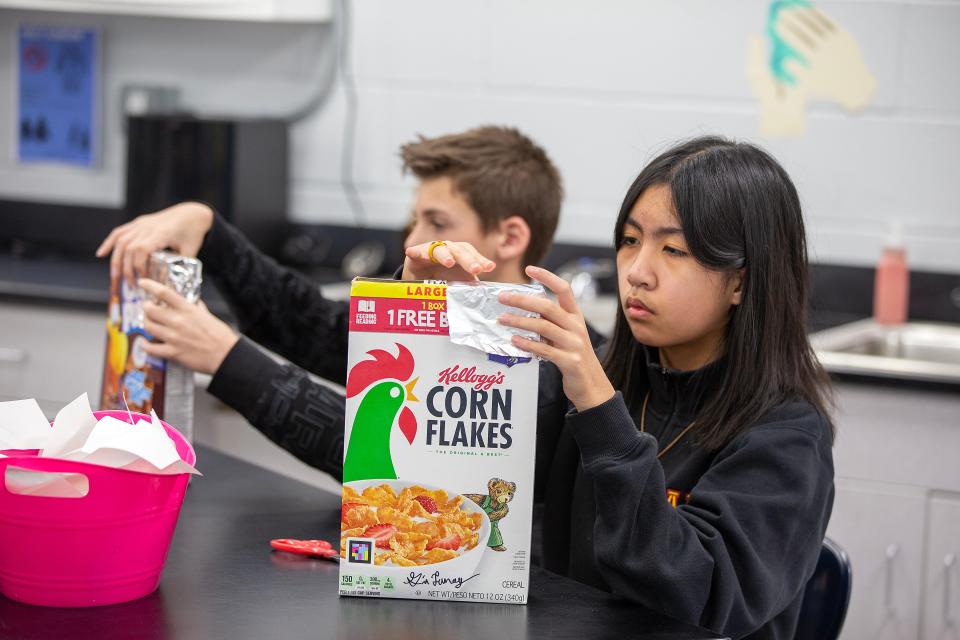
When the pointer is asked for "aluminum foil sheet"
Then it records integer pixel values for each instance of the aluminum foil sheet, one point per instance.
(183, 275)
(472, 312)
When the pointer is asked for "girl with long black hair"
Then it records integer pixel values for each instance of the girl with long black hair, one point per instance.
(688, 465)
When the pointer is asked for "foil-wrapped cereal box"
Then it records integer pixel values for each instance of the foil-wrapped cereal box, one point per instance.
(132, 379)
(439, 445)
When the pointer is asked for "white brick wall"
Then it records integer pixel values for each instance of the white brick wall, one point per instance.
(602, 86)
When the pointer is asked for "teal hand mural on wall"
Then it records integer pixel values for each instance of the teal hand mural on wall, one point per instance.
(780, 51)
(806, 56)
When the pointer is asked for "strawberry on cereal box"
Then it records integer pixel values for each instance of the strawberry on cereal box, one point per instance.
(439, 445)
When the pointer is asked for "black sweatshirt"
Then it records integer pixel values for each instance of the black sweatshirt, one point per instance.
(732, 556)
(735, 553)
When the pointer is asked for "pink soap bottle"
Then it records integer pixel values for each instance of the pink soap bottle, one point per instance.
(891, 289)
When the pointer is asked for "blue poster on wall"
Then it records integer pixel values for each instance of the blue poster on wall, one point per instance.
(56, 115)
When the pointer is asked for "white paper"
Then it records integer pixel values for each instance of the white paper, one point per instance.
(142, 466)
(52, 485)
(103, 456)
(23, 425)
(115, 443)
(77, 435)
(71, 428)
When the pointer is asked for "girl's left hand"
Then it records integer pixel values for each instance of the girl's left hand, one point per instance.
(188, 333)
(567, 343)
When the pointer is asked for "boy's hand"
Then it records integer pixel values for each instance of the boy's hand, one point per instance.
(181, 227)
(451, 261)
(567, 343)
(190, 334)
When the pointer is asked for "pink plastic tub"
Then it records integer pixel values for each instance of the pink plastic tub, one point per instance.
(106, 547)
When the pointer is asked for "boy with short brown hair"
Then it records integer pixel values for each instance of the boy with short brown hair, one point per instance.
(501, 173)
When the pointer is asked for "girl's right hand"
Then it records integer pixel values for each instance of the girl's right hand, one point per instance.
(451, 261)
(181, 227)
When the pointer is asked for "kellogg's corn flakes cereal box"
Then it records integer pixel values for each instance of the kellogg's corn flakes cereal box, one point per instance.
(438, 453)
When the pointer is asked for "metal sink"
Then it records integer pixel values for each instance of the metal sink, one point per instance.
(912, 351)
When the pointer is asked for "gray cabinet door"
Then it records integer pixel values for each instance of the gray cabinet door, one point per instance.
(51, 354)
(881, 527)
(941, 602)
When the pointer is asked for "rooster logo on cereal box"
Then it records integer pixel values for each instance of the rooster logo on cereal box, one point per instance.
(387, 384)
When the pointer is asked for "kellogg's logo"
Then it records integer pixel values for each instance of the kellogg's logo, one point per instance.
(469, 375)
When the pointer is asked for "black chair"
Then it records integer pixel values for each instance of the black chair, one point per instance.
(826, 596)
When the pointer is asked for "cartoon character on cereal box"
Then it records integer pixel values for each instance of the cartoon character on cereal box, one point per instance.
(494, 503)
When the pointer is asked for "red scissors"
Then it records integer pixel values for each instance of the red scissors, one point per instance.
(318, 548)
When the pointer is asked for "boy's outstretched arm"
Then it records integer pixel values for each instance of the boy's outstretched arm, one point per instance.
(281, 401)
(275, 306)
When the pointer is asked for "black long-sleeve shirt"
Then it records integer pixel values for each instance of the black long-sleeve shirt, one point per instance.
(733, 555)
(282, 310)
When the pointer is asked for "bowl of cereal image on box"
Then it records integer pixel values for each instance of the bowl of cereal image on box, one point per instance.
(411, 525)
